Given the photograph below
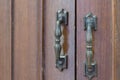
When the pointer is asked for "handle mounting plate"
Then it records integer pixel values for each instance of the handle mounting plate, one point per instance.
(62, 15)
(62, 63)
(90, 20)
(92, 72)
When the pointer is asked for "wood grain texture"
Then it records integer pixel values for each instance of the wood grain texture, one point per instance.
(28, 40)
(50, 9)
(40, 39)
(114, 2)
(102, 37)
(5, 39)
(117, 40)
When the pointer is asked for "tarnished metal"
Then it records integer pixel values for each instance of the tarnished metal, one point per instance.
(90, 23)
(61, 58)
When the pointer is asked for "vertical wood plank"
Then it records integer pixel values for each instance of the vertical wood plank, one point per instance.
(50, 9)
(5, 39)
(102, 37)
(27, 40)
(40, 39)
(114, 39)
(117, 40)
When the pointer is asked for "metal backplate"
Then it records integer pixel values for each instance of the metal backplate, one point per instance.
(90, 19)
(62, 63)
(92, 72)
(62, 15)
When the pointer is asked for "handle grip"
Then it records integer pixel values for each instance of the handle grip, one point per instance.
(90, 22)
(61, 58)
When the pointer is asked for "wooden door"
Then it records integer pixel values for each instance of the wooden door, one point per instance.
(105, 40)
(50, 9)
(5, 40)
(27, 39)
(34, 40)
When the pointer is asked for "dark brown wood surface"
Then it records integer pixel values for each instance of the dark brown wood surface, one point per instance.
(40, 39)
(5, 39)
(27, 40)
(50, 9)
(117, 40)
(102, 37)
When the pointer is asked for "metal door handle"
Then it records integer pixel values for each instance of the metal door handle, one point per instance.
(61, 58)
(90, 22)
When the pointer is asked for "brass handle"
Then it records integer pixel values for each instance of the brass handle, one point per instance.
(90, 22)
(61, 58)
